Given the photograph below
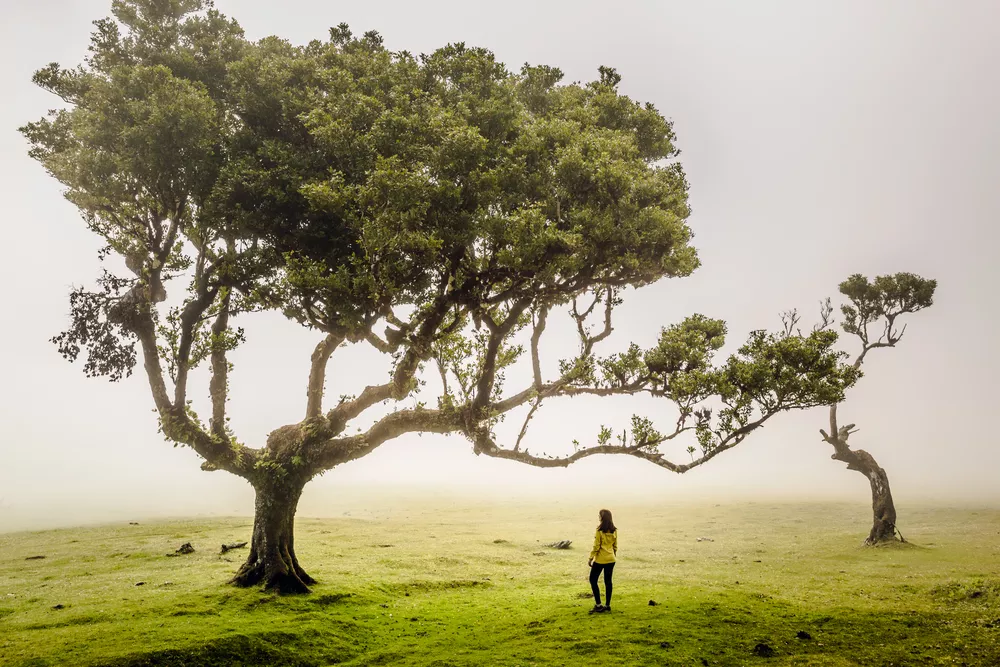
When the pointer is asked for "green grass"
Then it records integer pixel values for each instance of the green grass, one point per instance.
(471, 585)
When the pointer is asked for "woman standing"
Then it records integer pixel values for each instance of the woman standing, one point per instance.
(602, 557)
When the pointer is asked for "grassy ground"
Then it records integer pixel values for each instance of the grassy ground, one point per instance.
(473, 585)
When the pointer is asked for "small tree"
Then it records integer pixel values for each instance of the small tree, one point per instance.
(442, 200)
(874, 309)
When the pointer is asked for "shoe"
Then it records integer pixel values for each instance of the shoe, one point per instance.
(598, 608)
(607, 608)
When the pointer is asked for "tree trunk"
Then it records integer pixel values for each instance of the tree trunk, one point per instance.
(272, 560)
(883, 509)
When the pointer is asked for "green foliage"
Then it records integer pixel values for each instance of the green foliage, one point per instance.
(772, 372)
(643, 432)
(111, 352)
(341, 183)
(463, 355)
(345, 178)
(204, 341)
(885, 298)
(680, 365)
(622, 369)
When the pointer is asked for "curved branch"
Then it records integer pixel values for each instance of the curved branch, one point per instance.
(190, 317)
(483, 443)
(561, 388)
(348, 410)
(336, 451)
(176, 424)
(317, 374)
(524, 427)
(498, 332)
(587, 341)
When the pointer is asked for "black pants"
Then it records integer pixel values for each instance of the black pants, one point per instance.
(595, 571)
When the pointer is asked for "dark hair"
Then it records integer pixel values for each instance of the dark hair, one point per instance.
(607, 525)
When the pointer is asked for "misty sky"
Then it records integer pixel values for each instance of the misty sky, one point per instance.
(820, 139)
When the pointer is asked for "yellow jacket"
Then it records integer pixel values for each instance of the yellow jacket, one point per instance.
(605, 547)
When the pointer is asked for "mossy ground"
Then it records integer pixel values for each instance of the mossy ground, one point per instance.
(439, 584)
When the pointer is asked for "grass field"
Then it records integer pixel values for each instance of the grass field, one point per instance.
(441, 583)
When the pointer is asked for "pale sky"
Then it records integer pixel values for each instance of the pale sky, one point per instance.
(820, 139)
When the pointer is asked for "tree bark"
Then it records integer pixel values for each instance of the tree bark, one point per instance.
(271, 561)
(883, 509)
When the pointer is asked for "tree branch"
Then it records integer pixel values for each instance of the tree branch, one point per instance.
(336, 451)
(348, 410)
(524, 427)
(175, 422)
(536, 335)
(218, 386)
(190, 317)
(498, 333)
(483, 443)
(317, 374)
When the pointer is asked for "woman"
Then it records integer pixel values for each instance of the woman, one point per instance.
(602, 557)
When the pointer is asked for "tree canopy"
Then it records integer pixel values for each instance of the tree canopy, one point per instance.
(437, 207)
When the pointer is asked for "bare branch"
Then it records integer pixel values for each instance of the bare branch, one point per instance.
(825, 315)
(218, 386)
(608, 307)
(348, 410)
(444, 375)
(317, 374)
(419, 348)
(378, 343)
(336, 451)
(191, 315)
(536, 335)
(175, 423)
(524, 427)
(391, 318)
(789, 321)
(498, 332)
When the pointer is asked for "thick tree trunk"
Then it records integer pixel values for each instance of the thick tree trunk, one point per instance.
(272, 560)
(883, 509)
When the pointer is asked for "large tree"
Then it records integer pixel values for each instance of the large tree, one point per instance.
(872, 315)
(439, 208)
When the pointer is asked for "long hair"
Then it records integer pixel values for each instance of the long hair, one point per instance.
(607, 525)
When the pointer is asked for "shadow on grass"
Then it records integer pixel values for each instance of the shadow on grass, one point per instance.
(270, 649)
(69, 622)
(428, 586)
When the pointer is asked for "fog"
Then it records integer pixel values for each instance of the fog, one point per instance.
(820, 140)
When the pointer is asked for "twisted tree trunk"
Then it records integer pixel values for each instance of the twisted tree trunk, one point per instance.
(883, 509)
(272, 560)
